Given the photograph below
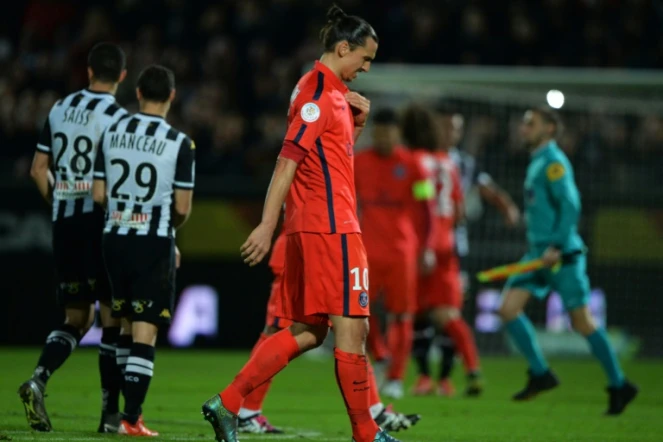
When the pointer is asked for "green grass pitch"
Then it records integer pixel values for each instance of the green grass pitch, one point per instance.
(304, 399)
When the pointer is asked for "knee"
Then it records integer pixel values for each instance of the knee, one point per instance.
(270, 330)
(508, 313)
(144, 333)
(444, 315)
(350, 335)
(105, 314)
(81, 319)
(307, 336)
(583, 324)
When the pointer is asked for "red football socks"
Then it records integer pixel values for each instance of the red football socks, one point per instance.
(399, 340)
(374, 392)
(353, 380)
(465, 345)
(255, 399)
(267, 360)
(375, 342)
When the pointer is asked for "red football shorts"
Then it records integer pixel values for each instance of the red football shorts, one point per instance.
(395, 281)
(325, 274)
(442, 288)
(272, 319)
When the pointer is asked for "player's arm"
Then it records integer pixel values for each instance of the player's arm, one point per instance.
(498, 198)
(99, 184)
(185, 176)
(423, 191)
(41, 174)
(309, 121)
(567, 201)
(257, 245)
(361, 106)
(41, 163)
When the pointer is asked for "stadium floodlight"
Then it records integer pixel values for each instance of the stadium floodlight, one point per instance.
(555, 99)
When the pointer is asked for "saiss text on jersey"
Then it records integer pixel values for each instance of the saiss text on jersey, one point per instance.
(71, 136)
(143, 159)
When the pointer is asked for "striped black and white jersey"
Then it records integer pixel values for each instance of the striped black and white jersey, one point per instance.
(470, 174)
(71, 136)
(143, 159)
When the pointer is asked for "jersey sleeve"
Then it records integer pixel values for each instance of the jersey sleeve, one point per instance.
(100, 162)
(309, 121)
(567, 198)
(44, 143)
(423, 188)
(185, 172)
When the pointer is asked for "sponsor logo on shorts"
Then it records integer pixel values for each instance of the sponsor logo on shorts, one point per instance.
(363, 299)
(117, 304)
(70, 287)
(165, 313)
(139, 305)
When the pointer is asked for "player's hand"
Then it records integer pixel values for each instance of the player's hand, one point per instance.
(361, 106)
(512, 216)
(178, 258)
(551, 256)
(257, 245)
(427, 262)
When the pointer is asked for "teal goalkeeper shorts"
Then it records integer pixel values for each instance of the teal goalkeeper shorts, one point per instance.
(570, 281)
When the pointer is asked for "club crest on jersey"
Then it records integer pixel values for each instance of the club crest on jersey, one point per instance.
(399, 172)
(310, 112)
(363, 299)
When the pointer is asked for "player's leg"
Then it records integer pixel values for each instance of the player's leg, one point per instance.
(110, 374)
(124, 343)
(450, 320)
(400, 304)
(100, 289)
(385, 416)
(573, 285)
(348, 308)
(448, 349)
(72, 294)
(137, 378)
(251, 419)
(351, 368)
(424, 333)
(376, 344)
(448, 356)
(272, 356)
(445, 303)
(151, 284)
(517, 292)
(60, 343)
(115, 255)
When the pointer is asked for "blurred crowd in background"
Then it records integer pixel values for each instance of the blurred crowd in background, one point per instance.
(236, 62)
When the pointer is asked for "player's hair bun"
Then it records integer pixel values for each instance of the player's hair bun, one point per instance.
(341, 26)
(335, 14)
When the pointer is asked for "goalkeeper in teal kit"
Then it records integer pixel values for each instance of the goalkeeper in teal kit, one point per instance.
(552, 210)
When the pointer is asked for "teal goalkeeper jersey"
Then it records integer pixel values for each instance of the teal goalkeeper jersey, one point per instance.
(552, 201)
